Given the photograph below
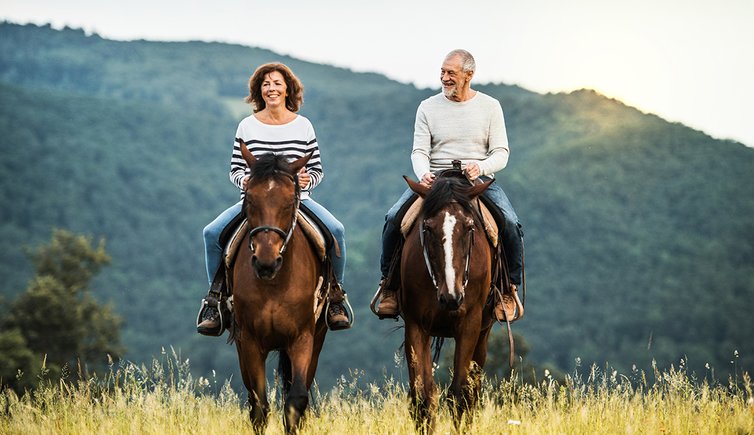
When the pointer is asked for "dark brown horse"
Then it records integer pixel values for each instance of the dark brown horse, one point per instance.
(445, 279)
(276, 296)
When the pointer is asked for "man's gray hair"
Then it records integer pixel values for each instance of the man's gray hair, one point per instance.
(467, 60)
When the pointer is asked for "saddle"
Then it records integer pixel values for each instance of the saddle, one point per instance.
(490, 226)
(316, 232)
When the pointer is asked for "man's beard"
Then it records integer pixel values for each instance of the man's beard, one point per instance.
(450, 92)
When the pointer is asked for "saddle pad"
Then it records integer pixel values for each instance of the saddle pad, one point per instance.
(490, 226)
(310, 230)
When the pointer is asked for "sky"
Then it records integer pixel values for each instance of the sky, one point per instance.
(689, 61)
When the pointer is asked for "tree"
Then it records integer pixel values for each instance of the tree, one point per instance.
(56, 319)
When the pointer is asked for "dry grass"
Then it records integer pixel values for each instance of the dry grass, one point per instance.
(164, 399)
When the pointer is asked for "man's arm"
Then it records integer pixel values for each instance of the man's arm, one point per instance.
(420, 150)
(497, 151)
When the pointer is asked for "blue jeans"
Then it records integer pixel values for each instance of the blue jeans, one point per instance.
(214, 252)
(513, 236)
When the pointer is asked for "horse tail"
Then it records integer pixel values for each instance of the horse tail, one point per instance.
(285, 374)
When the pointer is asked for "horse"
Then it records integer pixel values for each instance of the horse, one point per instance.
(277, 298)
(445, 271)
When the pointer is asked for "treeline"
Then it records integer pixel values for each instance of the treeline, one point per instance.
(639, 242)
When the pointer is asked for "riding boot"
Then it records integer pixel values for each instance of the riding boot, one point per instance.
(337, 316)
(508, 306)
(388, 306)
(214, 315)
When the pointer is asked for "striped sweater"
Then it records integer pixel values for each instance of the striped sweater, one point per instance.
(292, 140)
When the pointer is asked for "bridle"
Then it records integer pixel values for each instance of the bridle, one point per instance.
(285, 235)
(422, 229)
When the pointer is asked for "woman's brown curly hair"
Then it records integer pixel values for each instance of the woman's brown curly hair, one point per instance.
(295, 90)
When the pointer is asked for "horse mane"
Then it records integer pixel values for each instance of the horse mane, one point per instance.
(270, 165)
(444, 191)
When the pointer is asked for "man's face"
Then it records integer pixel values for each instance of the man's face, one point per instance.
(452, 77)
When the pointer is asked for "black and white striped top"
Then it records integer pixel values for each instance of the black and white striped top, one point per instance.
(293, 140)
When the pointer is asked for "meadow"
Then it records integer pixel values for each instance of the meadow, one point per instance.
(164, 398)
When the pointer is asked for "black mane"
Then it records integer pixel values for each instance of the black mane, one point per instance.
(444, 191)
(270, 165)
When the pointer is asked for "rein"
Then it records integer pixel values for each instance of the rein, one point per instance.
(285, 235)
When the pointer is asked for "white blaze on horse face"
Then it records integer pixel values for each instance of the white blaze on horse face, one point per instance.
(448, 227)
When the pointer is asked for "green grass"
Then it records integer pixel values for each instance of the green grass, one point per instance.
(164, 398)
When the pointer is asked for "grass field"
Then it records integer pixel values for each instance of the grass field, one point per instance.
(165, 399)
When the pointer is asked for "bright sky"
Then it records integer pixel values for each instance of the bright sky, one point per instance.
(690, 61)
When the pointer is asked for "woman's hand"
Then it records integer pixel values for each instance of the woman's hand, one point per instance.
(427, 179)
(303, 178)
(244, 182)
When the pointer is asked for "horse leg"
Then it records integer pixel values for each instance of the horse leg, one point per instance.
(319, 341)
(300, 354)
(477, 365)
(421, 382)
(461, 389)
(251, 360)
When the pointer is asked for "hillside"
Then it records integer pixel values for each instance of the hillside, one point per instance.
(639, 241)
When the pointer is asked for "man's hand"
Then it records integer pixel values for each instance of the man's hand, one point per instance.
(303, 178)
(427, 179)
(472, 170)
(244, 182)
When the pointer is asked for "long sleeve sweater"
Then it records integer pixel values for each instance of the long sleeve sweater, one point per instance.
(292, 140)
(470, 131)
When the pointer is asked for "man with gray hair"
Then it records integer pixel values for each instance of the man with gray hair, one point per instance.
(458, 124)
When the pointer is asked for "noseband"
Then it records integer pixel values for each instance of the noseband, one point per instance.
(422, 229)
(285, 235)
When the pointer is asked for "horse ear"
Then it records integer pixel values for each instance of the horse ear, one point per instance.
(296, 165)
(420, 189)
(477, 189)
(246, 154)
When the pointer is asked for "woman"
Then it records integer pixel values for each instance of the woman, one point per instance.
(275, 94)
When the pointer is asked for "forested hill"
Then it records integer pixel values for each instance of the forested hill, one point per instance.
(639, 236)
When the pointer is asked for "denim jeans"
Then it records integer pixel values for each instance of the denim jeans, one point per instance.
(214, 252)
(513, 236)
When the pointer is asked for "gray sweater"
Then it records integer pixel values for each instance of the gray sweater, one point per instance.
(470, 131)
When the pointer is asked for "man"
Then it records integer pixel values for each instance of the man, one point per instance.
(464, 124)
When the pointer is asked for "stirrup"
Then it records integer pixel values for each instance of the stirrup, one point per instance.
(518, 309)
(349, 314)
(375, 303)
(223, 312)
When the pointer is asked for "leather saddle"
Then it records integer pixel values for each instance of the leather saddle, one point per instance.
(409, 212)
(316, 232)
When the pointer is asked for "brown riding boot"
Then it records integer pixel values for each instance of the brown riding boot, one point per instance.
(388, 303)
(508, 307)
(210, 324)
(337, 316)
(214, 313)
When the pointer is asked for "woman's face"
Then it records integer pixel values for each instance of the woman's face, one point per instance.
(274, 89)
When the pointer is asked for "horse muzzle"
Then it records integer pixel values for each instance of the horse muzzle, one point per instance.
(266, 269)
(449, 302)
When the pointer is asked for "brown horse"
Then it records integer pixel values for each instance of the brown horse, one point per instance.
(445, 279)
(276, 296)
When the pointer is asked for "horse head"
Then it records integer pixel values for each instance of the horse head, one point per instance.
(271, 202)
(448, 222)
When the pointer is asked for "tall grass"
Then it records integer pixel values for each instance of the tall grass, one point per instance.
(165, 398)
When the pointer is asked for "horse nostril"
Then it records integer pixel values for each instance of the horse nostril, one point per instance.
(279, 260)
